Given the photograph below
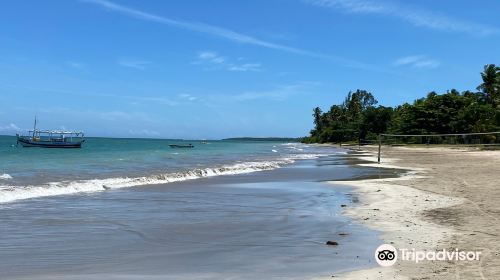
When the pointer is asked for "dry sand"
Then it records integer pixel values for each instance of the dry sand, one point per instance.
(450, 199)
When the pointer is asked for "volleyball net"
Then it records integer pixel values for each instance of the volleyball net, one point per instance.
(485, 139)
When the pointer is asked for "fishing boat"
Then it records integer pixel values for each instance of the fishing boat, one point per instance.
(181, 146)
(51, 138)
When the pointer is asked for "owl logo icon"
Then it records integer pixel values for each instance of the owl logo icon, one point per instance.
(386, 255)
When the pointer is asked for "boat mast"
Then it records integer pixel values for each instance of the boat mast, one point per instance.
(34, 128)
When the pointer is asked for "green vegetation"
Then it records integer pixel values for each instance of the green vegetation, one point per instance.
(359, 117)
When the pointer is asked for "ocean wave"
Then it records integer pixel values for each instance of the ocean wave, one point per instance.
(295, 146)
(13, 193)
(291, 144)
(5, 176)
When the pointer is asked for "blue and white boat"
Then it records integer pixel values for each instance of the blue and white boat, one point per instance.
(51, 138)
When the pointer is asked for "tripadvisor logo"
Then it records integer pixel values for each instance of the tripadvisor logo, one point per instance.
(387, 255)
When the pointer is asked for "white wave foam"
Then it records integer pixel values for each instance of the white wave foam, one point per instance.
(291, 144)
(13, 193)
(5, 176)
(295, 146)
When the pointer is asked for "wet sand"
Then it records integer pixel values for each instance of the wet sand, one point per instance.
(263, 225)
(449, 199)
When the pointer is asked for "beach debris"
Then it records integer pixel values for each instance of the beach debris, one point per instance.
(343, 234)
(343, 205)
(331, 243)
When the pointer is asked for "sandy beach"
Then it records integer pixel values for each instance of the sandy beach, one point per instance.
(269, 224)
(447, 199)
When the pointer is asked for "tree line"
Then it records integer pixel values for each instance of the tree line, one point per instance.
(360, 117)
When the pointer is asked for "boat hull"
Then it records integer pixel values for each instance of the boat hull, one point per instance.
(181, 146)
(48, 144)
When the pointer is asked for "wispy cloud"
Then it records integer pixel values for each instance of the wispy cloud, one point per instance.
(189, 97)
(157, 100)
(246, 67)
(417, 61)
(416, 16)
(10, 127)
(215, 61)
(193, 26)
(74, 92)
(133, 63)
(279, 93)
(74, 64)
(211, 56)
(222, 33)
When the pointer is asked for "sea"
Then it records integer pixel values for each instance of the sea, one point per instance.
(108, 163)
(139, 209)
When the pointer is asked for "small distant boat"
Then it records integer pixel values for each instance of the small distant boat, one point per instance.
(51, 138)
(181, 146)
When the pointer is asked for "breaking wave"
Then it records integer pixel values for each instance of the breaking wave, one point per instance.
(13, 193)
(5, 176)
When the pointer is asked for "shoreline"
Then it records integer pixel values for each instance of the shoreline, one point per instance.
(411, 211)
(271, 224)
(409, 201)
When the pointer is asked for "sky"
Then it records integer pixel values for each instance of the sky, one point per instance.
(198, 69)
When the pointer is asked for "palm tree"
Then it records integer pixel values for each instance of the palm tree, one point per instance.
(317, 113)
(491, 83)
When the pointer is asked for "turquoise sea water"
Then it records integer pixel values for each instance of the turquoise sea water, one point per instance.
(137, 209)
(106, 163)
(224, 210)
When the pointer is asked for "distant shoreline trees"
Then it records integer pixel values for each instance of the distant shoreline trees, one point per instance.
(359, 117)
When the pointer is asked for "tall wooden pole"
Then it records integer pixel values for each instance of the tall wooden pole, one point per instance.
(379, 146)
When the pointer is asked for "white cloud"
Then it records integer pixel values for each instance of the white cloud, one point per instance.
(416, 16)
(10, 127)
(136, 64)
(158, 100)
(194, 26)
(75, 92)
(408, 59)
(75, 64)
(215, 61)
(189, 97)
(417, 61)
(210, 56)
(281, 92)
(222, 33)
(428, 63)
(246, 67)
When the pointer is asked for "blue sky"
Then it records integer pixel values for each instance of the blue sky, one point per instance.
(215, 69)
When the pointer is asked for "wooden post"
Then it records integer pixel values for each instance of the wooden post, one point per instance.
(379, 147)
